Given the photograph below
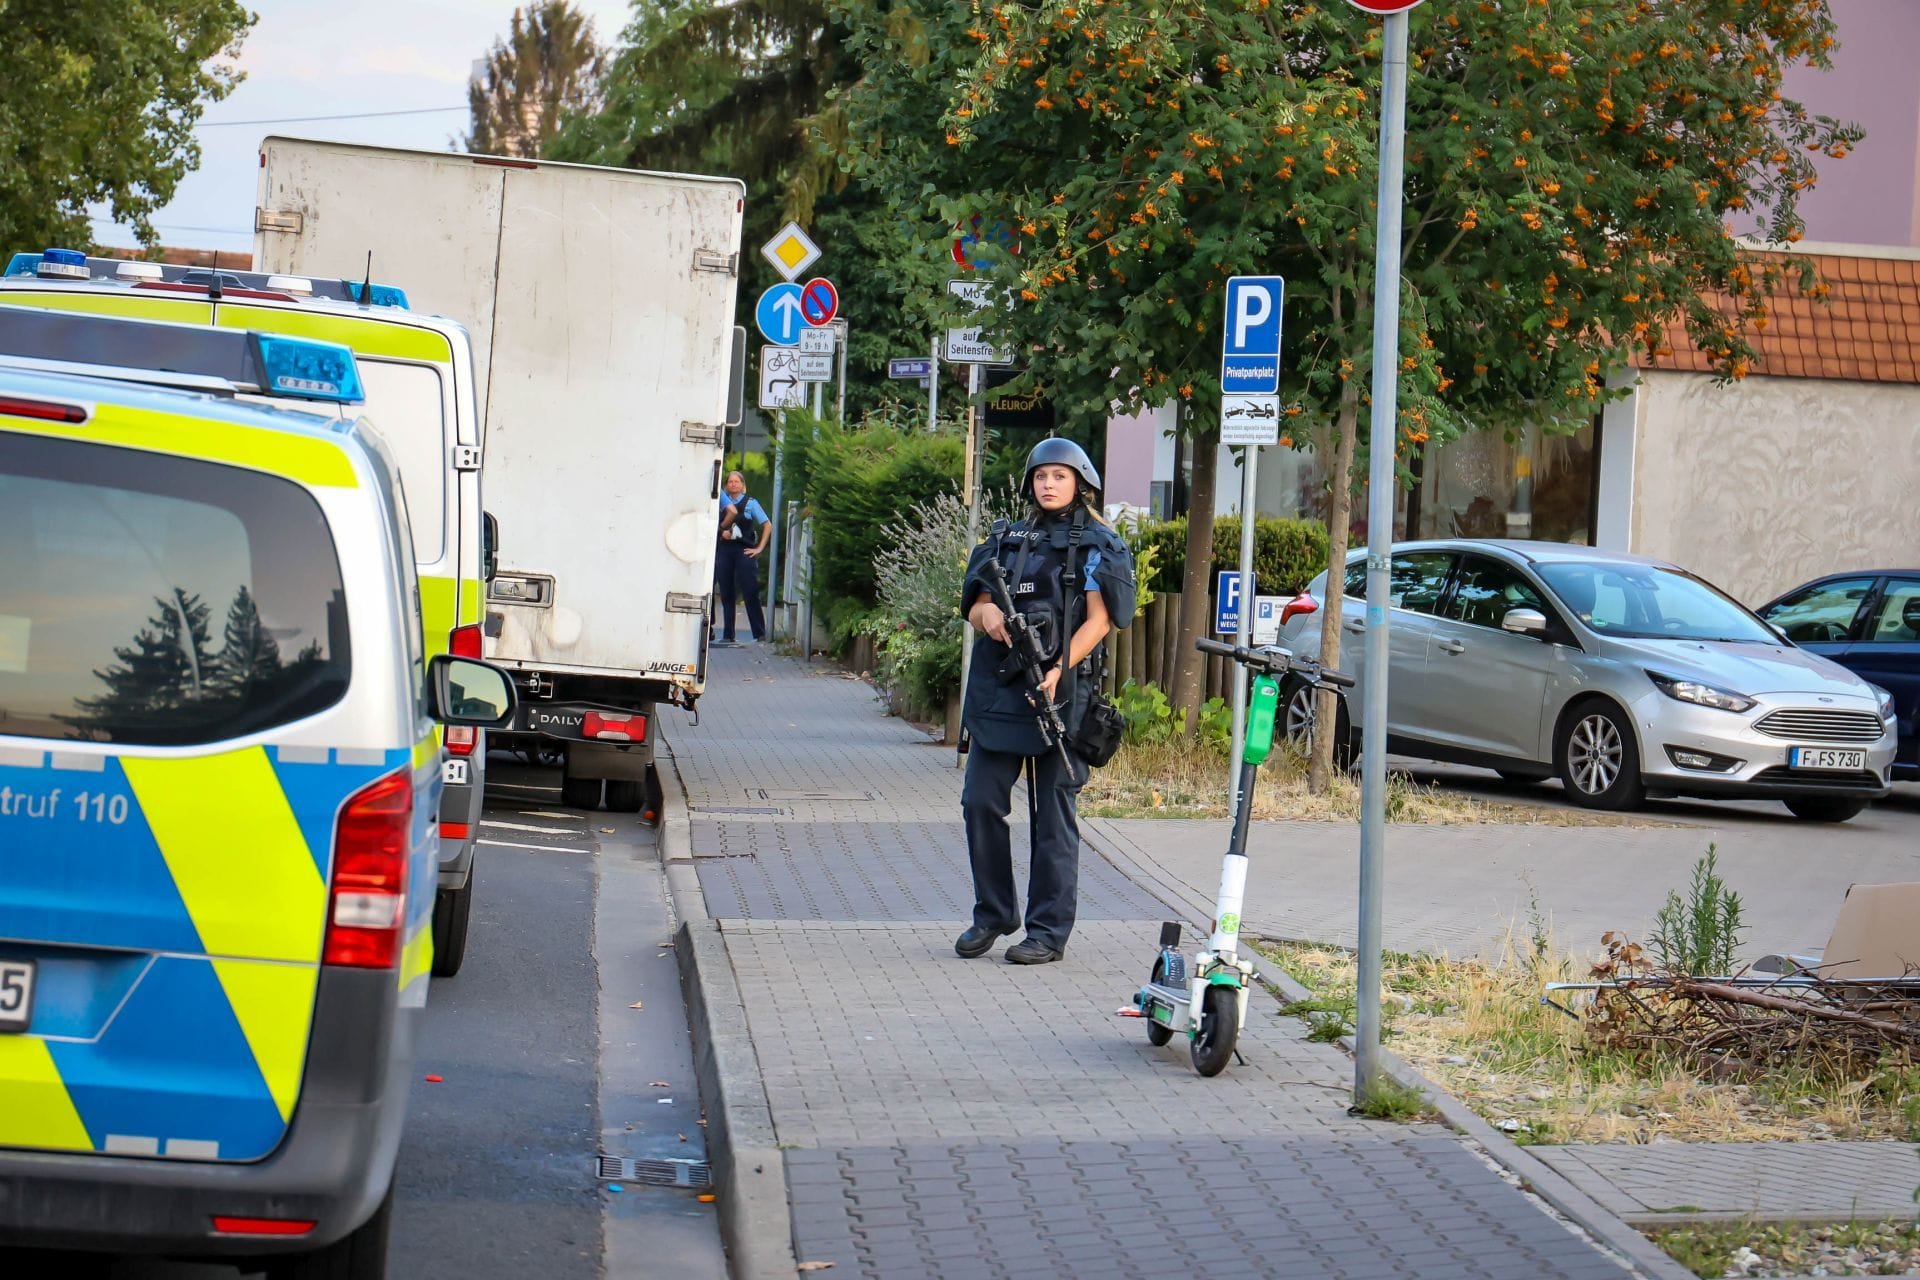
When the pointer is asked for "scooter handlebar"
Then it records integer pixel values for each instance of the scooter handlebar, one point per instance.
(1276, 661)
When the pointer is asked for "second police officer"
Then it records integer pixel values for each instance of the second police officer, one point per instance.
(1071, 578)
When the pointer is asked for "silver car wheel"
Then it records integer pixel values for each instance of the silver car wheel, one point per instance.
(1594, 754)
(1299, 721)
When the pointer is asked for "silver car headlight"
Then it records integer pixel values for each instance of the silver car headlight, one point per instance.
(1887, 712)
(1701, 695)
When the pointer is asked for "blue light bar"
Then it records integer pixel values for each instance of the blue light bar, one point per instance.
(63, 264)
(384, 295)
(309, 370)
(24, 264)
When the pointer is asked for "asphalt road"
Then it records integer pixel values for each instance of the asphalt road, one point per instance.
(545, 1062)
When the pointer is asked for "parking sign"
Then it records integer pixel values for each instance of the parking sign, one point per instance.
(1226, 607)
(1250, 360)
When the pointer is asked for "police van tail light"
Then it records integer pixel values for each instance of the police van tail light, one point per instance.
(367, 910)
(463, 642)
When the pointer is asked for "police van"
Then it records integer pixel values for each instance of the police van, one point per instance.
(219, 781)
(418, 377)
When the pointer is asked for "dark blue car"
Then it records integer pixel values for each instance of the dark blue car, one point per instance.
(1869, 623)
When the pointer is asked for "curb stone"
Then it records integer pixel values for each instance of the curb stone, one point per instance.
(748, 1166)
(1621, 1239)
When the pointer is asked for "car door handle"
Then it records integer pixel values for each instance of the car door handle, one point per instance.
(1452, 646)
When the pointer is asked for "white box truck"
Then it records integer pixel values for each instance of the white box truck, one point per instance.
(601, 305)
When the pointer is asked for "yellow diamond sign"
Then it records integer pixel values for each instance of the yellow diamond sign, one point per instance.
(790, 251)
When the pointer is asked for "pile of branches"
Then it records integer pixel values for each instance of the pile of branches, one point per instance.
(1744, 1025)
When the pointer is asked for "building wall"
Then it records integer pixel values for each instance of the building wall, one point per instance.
(1873, 195)
(1133, 443)
(1762, 484)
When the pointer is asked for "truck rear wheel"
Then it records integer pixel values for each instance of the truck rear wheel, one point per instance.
(580, 793)
(625, 795)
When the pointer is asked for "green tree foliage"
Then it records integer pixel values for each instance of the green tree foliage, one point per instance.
(862, 482)
(1570, 172)
(547, 66)
(98, 105)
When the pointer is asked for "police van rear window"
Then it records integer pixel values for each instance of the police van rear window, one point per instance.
(161, 601)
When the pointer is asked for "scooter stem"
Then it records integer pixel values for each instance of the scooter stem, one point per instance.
(1233, 872)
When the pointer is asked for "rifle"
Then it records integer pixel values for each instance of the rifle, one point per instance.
(1028, 654)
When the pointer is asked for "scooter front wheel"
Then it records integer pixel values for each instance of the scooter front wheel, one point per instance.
(1219, 1030)
(1156, 1034)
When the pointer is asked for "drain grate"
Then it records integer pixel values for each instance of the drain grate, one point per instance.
(738, 808)
(805, 793)
(656, 1173)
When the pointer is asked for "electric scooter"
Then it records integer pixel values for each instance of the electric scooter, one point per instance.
(1207, 998)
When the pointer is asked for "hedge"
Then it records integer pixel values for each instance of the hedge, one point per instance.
(1286, 553)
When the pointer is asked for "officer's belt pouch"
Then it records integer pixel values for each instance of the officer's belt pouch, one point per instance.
(1100, 731)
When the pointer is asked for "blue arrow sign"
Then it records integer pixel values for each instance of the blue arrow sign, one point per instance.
(778, 315)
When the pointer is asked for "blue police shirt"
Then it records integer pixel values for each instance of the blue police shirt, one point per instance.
(749, 508)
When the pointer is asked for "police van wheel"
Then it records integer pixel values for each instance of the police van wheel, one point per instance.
(452, 908)
(580, 793)
(626, 795)
(360, 1256)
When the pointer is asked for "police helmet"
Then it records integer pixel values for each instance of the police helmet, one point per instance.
(1054, 451)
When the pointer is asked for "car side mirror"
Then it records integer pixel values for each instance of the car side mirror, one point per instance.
(1299, 606)
(1526, 622)
(465, 691)
(489, 546)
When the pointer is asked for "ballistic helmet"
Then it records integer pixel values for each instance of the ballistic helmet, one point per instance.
(1055, 451)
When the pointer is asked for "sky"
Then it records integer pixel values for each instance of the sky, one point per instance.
(331, 58)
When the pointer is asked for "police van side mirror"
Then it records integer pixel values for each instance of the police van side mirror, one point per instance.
(462, 691)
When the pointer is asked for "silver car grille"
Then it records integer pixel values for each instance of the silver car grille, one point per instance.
(1819, 725)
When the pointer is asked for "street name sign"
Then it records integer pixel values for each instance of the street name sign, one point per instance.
(781, 386)
(779, 316)
(790, 251)
(921, 368)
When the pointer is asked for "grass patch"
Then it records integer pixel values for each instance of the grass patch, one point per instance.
(1854, 1249)
(1187, 778)
(1390, 1100)
(1478, 1030)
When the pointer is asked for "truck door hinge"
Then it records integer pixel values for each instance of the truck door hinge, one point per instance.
(278, 220)
(701, 433)
(466, 457)
(714, 260)
(686, 602)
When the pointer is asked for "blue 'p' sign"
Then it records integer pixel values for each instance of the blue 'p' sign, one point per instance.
(1250, 358)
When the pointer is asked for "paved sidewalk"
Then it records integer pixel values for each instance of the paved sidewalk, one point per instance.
(949, 1118)
(1672, 1181)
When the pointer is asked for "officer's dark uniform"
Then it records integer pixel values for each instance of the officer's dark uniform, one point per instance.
(1002, 723)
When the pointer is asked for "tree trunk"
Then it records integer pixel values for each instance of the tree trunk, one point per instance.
(1339, 518)
(1189, 662)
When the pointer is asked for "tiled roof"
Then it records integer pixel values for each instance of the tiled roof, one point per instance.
(1866, 329)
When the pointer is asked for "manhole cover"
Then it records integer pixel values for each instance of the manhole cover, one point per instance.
(805, 793)
(737, 808)
(656, 1173)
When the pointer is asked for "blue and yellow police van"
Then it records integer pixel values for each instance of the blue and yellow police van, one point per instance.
(219, 790)
(416, 374)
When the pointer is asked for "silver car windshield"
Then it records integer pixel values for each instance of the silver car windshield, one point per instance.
(1642, 602)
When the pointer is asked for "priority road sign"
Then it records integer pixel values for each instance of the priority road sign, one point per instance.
(819, 301)
(781, 386)
(790, 251)
(779, 315)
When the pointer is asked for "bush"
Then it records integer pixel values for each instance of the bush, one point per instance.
(1286, 553)
(1148, 714)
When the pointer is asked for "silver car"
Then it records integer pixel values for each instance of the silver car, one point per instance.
(1621, 675)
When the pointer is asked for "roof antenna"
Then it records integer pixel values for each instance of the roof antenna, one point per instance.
(213, 280)
(366, 289)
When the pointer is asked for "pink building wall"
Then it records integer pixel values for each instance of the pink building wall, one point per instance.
(1873, 195)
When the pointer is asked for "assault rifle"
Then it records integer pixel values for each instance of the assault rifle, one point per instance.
(1030, 658)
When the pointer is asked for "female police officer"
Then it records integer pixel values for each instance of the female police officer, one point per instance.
(1071, 579)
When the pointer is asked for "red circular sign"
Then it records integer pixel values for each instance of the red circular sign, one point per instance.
(1384, 6)
(819, 301)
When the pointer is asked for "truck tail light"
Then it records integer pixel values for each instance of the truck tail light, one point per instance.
(367, 904)
(608, 727)
(463, 642)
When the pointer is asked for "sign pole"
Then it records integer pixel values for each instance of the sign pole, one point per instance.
(840, 333)
(973, 499)
(1380, 482)
(933, 386)
(1243, 634)
(773, 545)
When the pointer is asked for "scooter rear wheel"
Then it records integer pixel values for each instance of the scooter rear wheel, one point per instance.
(1156, 1034)
(1219, 1030)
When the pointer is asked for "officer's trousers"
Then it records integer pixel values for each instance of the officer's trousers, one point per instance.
(738, 577)
(986, 797)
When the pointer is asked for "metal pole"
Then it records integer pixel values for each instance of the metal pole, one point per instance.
(840, 389)
(973, 497)
(1380, 482)
(1249, 462)
(773, 546)
(933, 386)
(819, 392)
